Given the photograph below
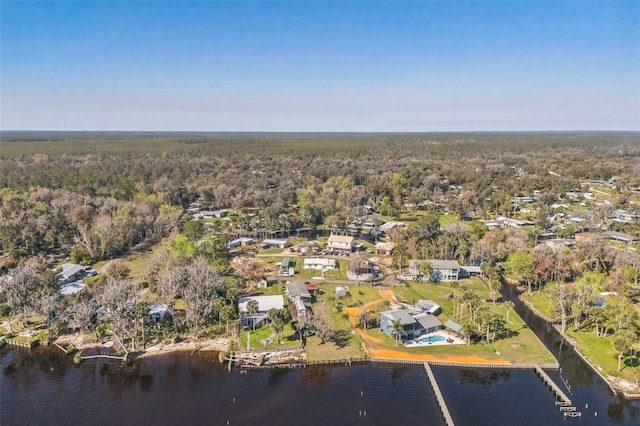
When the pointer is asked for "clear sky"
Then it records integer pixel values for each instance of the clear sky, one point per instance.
(320, 66)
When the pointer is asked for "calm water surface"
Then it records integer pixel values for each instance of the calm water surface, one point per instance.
(45, 387)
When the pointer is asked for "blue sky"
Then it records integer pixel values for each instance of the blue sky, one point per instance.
(320, 66)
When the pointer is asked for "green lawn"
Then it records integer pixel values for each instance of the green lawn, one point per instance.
(541, 301)
(599, 350)
(346, 344)
(258, 337)
(520, 346)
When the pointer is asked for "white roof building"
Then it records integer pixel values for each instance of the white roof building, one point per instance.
(265, 303)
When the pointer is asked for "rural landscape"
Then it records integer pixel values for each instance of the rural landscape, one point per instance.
(304, 248)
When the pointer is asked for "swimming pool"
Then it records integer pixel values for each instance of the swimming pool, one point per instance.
(432, 339)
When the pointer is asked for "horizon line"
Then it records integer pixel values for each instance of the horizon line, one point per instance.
(327, 131)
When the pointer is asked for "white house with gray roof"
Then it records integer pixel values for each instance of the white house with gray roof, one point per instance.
(442, 270)
(265, 303)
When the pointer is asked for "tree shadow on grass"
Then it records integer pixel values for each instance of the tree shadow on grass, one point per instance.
(341, 338)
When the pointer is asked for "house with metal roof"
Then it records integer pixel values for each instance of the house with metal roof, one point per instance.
(70, 272)
(265, 303)
(621, 237)
(272, 242)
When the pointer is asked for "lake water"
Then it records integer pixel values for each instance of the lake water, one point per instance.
(45, 387)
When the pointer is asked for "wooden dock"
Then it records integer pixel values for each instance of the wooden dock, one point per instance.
(436, 389)
(552, 385)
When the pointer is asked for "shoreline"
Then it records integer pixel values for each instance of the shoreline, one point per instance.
(212, 345)
(617, 385)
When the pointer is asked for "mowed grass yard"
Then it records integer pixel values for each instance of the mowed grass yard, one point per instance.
(521, 345)
(346, 343)
(599, 350)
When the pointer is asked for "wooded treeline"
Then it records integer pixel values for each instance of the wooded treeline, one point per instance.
(96, 195)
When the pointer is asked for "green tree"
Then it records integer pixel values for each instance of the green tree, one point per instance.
(520, 264)
(426, 270)
(397, 330)
(622, 342)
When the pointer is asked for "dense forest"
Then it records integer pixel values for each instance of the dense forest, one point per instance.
(97, 195)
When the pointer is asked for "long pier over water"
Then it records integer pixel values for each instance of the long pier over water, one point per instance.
(436, 389)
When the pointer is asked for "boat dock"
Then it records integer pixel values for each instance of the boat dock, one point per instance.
(564, 401)
(552, 385)
(436, 389)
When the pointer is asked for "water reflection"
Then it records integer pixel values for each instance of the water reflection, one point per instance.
(484, 377)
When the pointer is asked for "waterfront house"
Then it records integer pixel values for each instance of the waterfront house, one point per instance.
(299, 296)
(265, 303)
(297, 289)
(414, 322)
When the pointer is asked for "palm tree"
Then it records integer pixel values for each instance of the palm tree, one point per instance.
(454, 286)
(426, 270)
(466, 330)
(622, 342)
(397, 329)
(252, 309)
(509, 305)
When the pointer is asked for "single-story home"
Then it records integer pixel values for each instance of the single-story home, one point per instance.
(240, 242)
(385, 248)
(344, 243)
(516, 223)
(372, 223)
(265, 303)
(209, 214)
(319, 263)
(390, 225)
(286, 268)
(470, 271)
(156, 313)
(70, 272)
(297, 289)
(621, 237)
(271, 242)
(429, 306)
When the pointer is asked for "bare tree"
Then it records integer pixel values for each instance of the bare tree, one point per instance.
(20, 291)
(117, 300)
(199, 293)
